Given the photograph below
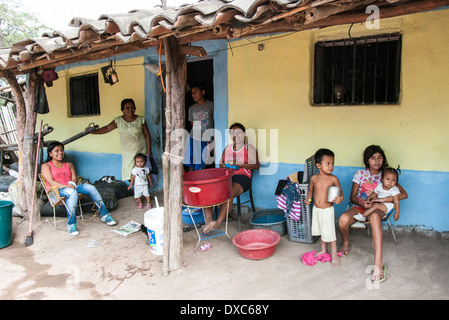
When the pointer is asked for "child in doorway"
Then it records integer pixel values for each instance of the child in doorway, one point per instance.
(323, 220)
(387, 188)
(140, 178)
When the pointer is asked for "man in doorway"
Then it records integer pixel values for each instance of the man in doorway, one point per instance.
(201, 117)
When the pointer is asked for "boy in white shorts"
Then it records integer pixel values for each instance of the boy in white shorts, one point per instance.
(140, 178)
(387, 188)
(323, 220)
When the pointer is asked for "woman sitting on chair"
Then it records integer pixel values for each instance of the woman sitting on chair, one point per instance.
(243, 158)
(62, 174)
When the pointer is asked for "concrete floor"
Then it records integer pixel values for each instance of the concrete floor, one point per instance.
(58, 266)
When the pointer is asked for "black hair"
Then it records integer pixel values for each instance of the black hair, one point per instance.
(370, 151)
(397, 172)
(125, 101)
(198, 85)
(50, 148)
(140, 155)
(238, 125)
(321, 153)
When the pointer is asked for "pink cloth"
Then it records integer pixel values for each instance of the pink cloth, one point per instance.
(309, 258)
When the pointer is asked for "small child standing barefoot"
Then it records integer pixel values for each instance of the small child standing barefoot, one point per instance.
(323, 220)
(140, 178)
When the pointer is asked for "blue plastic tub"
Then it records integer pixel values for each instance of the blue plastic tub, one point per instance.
(197, 215)
(270, 219)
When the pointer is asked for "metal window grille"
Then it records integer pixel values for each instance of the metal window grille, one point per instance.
(358, 71)
(84, 95)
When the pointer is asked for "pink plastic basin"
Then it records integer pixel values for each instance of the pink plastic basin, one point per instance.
(207, 187)
(256, 244)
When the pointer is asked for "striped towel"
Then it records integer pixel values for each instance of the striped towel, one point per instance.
(295, 212)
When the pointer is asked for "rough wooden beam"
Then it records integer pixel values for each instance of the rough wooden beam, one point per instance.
(188, 50)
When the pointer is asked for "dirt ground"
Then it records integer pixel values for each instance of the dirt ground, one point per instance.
(59, 266)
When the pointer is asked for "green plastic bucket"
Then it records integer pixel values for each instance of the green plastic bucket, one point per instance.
(5, 223)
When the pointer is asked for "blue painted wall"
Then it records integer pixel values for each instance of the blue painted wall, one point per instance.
(427, 205)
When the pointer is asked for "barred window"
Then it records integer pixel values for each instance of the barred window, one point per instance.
(84, 95)
(358, 71)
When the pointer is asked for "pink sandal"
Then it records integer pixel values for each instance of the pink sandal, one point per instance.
(139, 206)
(148, 205)
(205, 247)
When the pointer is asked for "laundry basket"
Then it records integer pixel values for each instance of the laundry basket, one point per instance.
(301, 230)
(309, 169)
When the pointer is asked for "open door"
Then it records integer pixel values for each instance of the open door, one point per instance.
(201, 71)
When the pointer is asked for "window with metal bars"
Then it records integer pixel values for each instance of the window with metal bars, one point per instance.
(358, 71)
(84, 95)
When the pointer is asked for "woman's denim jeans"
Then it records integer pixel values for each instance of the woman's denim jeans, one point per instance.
(72, 199)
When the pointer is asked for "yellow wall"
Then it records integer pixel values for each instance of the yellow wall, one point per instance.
(272, 89)
(130, 85)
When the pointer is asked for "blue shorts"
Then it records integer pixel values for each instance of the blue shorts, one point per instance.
(196, 154)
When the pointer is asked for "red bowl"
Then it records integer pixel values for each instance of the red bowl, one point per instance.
(256, 244)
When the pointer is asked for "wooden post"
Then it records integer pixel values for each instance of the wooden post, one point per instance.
(173, 155)
(26, 124)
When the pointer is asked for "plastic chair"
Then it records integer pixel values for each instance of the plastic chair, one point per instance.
(385, 219)
(253, 208)
(56, 200)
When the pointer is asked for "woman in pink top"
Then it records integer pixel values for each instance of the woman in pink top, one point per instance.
(62, 174)
(363, 184)
(243, 158)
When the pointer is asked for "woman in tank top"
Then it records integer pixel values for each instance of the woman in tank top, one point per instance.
(242, 157)
(61, 174)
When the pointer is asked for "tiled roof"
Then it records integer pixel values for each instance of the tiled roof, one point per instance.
(209, 19)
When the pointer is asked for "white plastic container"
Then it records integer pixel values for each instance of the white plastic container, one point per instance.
(154, 222)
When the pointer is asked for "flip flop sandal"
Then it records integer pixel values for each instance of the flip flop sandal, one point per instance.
(148, 206)
(139, 206)
(384, 275)
(205, 247)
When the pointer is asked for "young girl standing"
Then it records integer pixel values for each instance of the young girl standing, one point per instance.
(140, 178)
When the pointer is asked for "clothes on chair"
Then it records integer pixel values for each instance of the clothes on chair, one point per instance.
(289, 200)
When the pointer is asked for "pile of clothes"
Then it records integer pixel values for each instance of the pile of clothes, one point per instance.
(288, 196)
